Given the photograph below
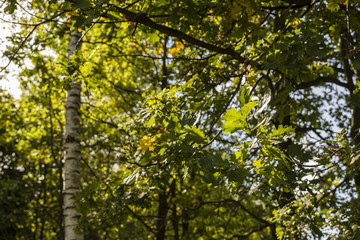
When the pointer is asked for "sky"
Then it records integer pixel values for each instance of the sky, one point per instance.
(7, 81)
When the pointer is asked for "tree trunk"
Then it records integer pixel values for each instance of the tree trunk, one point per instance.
(174, 218)
(162, 215)
(346, 44)
(72, 150)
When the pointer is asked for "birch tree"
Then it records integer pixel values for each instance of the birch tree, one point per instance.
(72, 148)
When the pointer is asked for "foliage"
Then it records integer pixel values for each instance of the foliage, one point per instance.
(200, 119)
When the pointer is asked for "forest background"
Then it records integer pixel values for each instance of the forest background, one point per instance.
(194, 119)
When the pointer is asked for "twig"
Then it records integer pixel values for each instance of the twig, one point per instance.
(28, 36)
(108, 186)
(225, 108)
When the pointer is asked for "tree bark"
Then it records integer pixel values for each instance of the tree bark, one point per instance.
(161, 221)
(72, 150)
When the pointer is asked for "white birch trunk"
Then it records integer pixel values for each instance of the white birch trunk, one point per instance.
(72, 150)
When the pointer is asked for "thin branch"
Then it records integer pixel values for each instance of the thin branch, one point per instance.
(123, 88)
(28, 36)
(154, 57)
(57, 162)
(2, 4)
(159, 16)
(319, 81)
(130, 4)
(255, 229)
(285, 7)
(18, 23)
(212, 140)
(83, 35)
(112, 194)
(133, 55)
(110, 22)
(31, 14)
(255, 85)
(330, 192)
(18, 49)
(238, 203)
(225, 107)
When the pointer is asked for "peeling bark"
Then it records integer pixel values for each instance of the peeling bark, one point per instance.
(72, 150)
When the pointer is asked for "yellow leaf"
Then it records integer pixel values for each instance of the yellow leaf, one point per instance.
(177, 48)
(147, 143)
(258, 163)
(251, 79)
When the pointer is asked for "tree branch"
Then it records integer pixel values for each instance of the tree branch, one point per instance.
(319, 81)
(285, 7)
(255, 229)
(109, 187)
(144, 19)
(28, 36)
(238, 203)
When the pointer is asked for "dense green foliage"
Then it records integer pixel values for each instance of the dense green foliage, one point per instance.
(201, 119)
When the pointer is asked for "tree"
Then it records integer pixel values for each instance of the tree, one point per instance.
(72, 146)
(192, 133)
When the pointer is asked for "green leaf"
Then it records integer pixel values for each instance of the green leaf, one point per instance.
(236, 174)
(276, 153)
(81, 4)
(333, 5)
(316, 230)
(195, 134)
(295, 149)
(236, 119)
(244, 96)
(154, 37)
(79, 21)
(281, 130)
(151, 121)
(11, 7)
(89, 20)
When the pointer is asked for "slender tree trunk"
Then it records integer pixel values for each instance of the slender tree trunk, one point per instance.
(284, 197)
(175, 217)
(162, 215)
(185, 223)
(60, 216)
(175, 222)
(163, 207)
(164, 79)
(346, 44)
(72, 150)
(355, 125)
